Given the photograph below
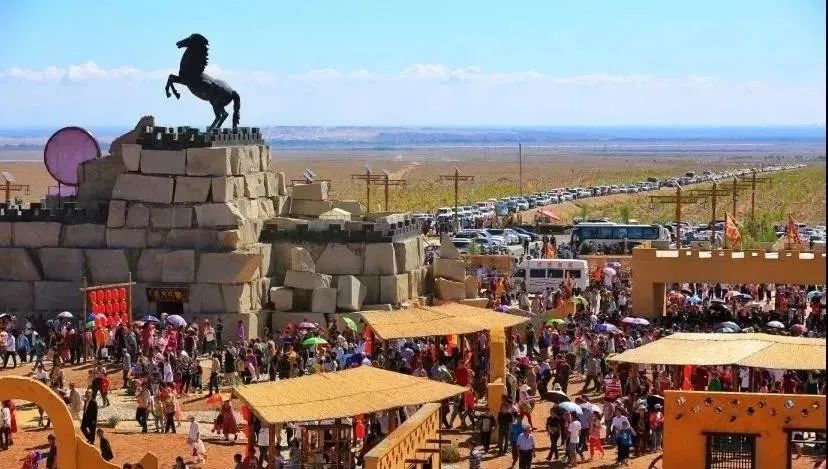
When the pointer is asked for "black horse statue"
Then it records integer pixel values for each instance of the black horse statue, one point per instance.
(191, 74)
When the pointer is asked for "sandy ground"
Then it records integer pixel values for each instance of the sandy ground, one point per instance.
(129, 445)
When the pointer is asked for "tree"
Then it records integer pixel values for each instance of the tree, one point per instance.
(625, 212)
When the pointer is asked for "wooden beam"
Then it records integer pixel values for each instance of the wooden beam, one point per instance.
(438, 441)
(417, 461)
(428, 450)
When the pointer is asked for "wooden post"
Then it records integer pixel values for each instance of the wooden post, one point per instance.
(85, 294)
(271, 445)
(129, 299)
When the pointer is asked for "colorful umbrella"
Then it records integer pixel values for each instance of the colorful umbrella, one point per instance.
(150, 318)
(350, 323)
(636, 321)
(609, 271)
(554, 321)
(90, 325)
(314, 341)
(814, 294)
(580, 299)
(307, 325)
(605, 327)
(775, 325)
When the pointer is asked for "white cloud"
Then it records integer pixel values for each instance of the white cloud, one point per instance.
(414, 95)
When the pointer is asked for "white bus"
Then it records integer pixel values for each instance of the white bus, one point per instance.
(540, 274)
(613, 238)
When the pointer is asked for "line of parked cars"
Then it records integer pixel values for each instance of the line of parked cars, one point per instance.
(469, 215)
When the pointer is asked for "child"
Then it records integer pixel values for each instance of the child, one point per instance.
(624, 440)
(595, 435)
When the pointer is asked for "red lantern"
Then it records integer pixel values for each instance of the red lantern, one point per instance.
(93, 296)
(96, 307)
(108, 309)
(122, 293)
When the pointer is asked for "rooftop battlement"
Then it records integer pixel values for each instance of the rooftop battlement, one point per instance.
(181, 138)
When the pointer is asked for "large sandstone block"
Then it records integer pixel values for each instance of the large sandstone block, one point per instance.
(231, 239)
(301, 260)
(312, 191)
(131, 156)
(237, 298)
(137, 216)
(172, 217)
(380, 259)
(339, 259)
(281, 205)
(96, 178)
(282, 298)
(163, 161)
(228, 267)
(407, 256)
(5, 234)
(131, 238)
(238, 187)
(306, 280)
(350, 293)
(372, 288)
(206, 298)
(36, 234)
(271, 184)
(266, 250)
(191, 189)
(157, 238)
(248, 208)
(393, 288)
(309, 208)
(150, 265)
(472, 287)
(192, 238)
(57, 296)
(281, 183)
(266, 159)
(107, 265)
(208, 161)
(17, 296)
(62, 264)
(417, 282)
(16, 264)
(450, 269)
(220, 214)
(223, 188)
(116, 217)
(85, 235)
(141, 188)
(254, 186)
(351, 206)
(447, 249)
(178, 266)
(323, 300)
(377, 307)
(449, 290)
(266, 208)
(245, 159)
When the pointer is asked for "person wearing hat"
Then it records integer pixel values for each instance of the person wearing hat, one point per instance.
(656, 427)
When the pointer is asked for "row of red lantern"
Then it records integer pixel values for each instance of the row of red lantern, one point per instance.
(107, 295)
(110, 308)
(110, 321)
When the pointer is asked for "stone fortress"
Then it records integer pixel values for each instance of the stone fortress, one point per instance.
(215, 228)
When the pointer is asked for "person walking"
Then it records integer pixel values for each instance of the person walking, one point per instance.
(144, 399)
(624, 440)
(106, 448)
(504, 421)
(75, 402)
(5, 426)
(10, 350)
(526, 447)
(194, 440)
(595, 443)
(553, 428)
(487, 423)
(574, 433)
(89, 422)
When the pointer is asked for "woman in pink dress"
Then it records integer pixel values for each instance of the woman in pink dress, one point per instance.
(228, 421)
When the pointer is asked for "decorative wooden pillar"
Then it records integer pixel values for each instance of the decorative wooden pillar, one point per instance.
(271, 445)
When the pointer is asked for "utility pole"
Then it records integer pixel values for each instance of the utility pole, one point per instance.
(369, 179)
(457, 178)
(679, 199)
(751, 184)
(8, 185)
(385, 180)
(520, 169)
(713, 194)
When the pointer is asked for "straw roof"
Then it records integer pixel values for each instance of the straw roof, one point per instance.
(448, 319)
(755, 350)
(340, 394)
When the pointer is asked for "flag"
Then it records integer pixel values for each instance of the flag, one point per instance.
(732, 234)
(791, 230)
(549, 252)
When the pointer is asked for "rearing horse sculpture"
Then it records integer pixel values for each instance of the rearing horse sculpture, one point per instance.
(191, 74)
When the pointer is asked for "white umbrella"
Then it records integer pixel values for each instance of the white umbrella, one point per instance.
(636, 321)
(776, 325)
(732, 293)
(609, 271)
(65, 315)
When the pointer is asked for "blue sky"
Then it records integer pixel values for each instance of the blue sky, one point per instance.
(421, 63)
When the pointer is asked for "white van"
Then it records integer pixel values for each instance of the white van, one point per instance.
(540, 274)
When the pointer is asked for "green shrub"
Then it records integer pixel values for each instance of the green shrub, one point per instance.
(450, 453)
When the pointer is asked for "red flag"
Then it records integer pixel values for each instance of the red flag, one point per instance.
(792, 230)
(732, 233)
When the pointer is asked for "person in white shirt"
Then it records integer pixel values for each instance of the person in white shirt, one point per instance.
(10, 351)
(209, 345)
(526, 447)
(167, 372)
(744, 379)
(574, 432)
(263, 440)
(5, 427)
(617, 421)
